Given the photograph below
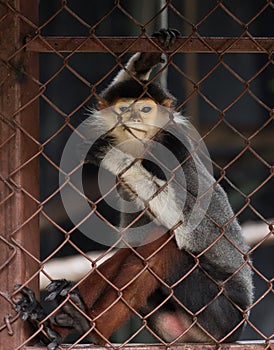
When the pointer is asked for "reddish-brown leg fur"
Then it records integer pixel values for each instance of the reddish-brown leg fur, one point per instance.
(135, 275)
(94, 284)
(139, 276)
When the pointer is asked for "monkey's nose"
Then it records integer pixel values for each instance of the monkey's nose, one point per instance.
(135, 117)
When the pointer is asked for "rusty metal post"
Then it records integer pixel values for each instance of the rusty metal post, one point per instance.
(19, 148)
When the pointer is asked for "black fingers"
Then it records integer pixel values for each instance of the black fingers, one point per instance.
(62, 320)
(32, 310)
(57, 289)
(55, 338)
(28, 305)
(167, 37)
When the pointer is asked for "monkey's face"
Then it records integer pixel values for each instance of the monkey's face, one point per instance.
(135, 120)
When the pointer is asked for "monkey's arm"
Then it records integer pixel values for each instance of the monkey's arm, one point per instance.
(141, 63)
(150, 192)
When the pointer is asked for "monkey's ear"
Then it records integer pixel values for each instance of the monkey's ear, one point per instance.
(102, 104)
(168, 103)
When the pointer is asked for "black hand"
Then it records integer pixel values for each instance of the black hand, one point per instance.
(167, 37)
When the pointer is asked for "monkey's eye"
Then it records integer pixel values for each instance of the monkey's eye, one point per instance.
(123, 109)
(146, 109)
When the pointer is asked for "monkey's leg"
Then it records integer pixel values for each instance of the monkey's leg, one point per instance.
(94, 284)
(120, 270)
(90, 290)
(69, 318)
(138, 278)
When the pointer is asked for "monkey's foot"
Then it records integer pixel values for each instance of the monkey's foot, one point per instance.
(32, 310)
(59, 289)
(70, 316)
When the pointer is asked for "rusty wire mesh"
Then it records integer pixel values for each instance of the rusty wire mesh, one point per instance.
(235, 142)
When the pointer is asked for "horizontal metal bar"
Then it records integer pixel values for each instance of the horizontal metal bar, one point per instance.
(129, 44)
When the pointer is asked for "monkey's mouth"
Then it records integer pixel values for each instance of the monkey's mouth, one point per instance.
(132, 129)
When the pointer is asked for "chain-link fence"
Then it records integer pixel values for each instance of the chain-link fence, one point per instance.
(221, 72)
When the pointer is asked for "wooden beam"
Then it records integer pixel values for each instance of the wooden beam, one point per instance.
(127, 44)
(19, 187)
(184, 346)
